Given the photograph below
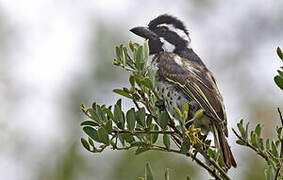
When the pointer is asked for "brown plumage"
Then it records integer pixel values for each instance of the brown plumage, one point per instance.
(189, 74)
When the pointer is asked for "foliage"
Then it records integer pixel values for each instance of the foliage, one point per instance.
(140, 128)
(279, 78)
(270, 150)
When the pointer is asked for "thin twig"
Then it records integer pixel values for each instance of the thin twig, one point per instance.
(259, 152)
(141, 132)
(277, 172)
(280, 115)
(199, 162)
(281, 150)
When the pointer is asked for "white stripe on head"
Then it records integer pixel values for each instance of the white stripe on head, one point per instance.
(167, 46)
(178, 31)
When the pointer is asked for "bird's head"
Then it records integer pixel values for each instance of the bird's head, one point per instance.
(165, 33)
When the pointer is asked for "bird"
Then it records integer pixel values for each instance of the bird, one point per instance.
(182, 77)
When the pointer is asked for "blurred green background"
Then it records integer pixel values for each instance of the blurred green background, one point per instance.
(56, 55)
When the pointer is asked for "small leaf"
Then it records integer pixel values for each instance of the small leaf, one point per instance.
(240, 142)
(128, 138)
(154, 137)
(279, 52)
(85, 144)
(131, 119)
(148, 172)
(253, 139)
(103, 135)
(89, 123)
(269, 173)
(122, 93)
(148, 120)
(185, 147)
(100, 114)
(241, 129)
(90, 141)
(188, 178)
(108, 126)
(147, 83)
(274, 149)
(279, 81)
(108, 112)
(119, 118)
(91, 132)
(167, 174)
(139, 59)
(258, 130)
(166, 141)
(145, 50)
(198, 114)
(132, 80)
(140, 116)
(163, 119)
(267, 145)
(131, 45)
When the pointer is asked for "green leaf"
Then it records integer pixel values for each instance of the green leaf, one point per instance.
(131, 119)
(103, 135)
(108, 126)
(166, 141)
(241, 129)
(145, 50)
(139, 59)
(269, 173)
(147, 83)
(128, 138)
(279, 81)
(85, 144)
(188, 178)
(122, 93)
(240, 142)
(185, 147)
(258, 130)
(154, 137)
(119, 118)
(280, 73)
(148, 172)
(148, 120)
(267, 145)
(90, 141)
(198, 114)
(108, 112)
(274, 149)
(132, 80)
(163, 119)
(253, 139)
(100, 114)
(131, 45)
(140, 116)
(89, 123)
(279, 52)
(91, 132)
(167, 174)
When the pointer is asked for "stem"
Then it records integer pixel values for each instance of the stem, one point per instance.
(141, 132)
(258, 151)
(281, 150)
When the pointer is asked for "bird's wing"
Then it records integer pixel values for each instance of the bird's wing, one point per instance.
(195, 81)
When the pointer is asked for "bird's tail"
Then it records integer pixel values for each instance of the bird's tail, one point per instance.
(224, 148)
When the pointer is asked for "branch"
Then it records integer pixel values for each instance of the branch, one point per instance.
(141, 132)
(258, 151)
(198, 161)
